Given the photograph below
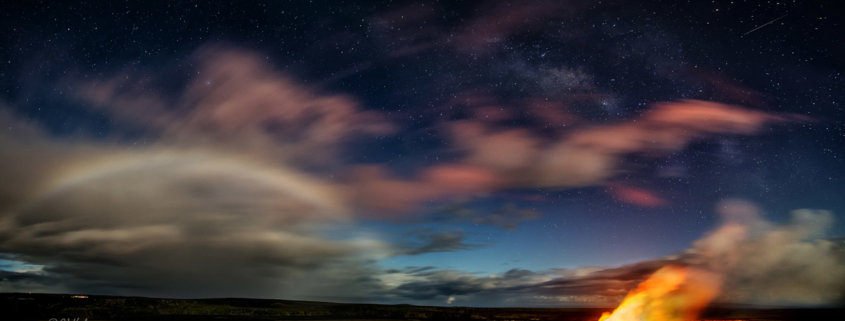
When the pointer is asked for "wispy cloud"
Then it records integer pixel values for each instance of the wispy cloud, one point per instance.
(490, 29)
(507, 217)
(430, 242)
(236, 100)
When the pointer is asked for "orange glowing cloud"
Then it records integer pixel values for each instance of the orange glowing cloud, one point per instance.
(590, 155)
(636, 195)
(374, 188)
(585, 156)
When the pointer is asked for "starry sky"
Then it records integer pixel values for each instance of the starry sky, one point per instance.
(480, 153)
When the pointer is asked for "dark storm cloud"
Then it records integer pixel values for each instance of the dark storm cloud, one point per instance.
(211, 206)
(28, 281)
(440, 287)
(591, 285)
(507, 217)
(171, 224)
(441, 284)
(606, 282)
(431, 241)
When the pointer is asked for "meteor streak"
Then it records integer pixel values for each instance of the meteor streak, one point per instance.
(763, 25)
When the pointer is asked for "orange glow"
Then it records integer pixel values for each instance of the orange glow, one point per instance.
(673, 293)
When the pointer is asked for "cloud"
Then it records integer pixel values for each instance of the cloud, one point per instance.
(373, 188)
(225, 198)
(794, 269)
(217, 203)
(165, 222)
(438, 285)
(636, 195)
(236, 100)
(491, 28)
(507, 217)
(495, 159)
(29, 281)
(590, 155)
(601, 286)
(751, 260)
(430, 242)
(586, 286)
(764, 263)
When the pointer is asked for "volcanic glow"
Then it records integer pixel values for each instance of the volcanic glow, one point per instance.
(673, 293)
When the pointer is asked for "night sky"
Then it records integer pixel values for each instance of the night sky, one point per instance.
(482, 153)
